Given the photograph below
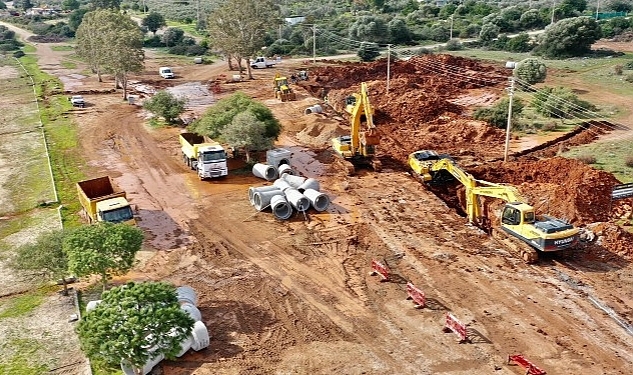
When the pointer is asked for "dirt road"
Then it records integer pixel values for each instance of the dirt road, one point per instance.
(296, 297)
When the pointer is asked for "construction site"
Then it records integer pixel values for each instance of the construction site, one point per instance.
(326, 292)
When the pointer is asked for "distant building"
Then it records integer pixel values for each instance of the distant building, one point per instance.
(293, 20)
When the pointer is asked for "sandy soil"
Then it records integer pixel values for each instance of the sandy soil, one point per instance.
(296, 297)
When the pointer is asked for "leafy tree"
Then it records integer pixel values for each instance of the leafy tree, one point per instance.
(620, 5)
(531, 70)
(497, 115)
(106, 4)
(154, 21)
(172, 36)
(488, 32)
(398, 31)
(368, 51)
(44, 259)
(246, 132)
(75, 18)
(615, 26)
(569, 37)
(166, 105)
(369, 28)
(560, 102)
(23, 4)
(218, 116)
(3, 5)
(103, 249)
(70, 4)
(520, 43)
(112, 42)
(577, 5)
(532, 19)
(238, 28)
(134, 323)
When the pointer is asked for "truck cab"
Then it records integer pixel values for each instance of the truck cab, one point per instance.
(211, 162)
(115, 210)
(261, 63)
(166, 72)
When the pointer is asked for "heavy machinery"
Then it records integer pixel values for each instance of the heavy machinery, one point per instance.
(359, 148)
(282, 89)
(545, 233)
(102, 200)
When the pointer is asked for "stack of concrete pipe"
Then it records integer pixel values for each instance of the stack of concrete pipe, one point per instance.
(197, 340)
(288, 192)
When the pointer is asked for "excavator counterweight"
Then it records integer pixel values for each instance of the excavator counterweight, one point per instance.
(544, 233)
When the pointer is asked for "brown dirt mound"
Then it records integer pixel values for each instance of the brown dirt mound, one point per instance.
(568, 187)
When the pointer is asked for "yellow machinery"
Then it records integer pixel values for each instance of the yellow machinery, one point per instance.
(282, 89)
(544, 233)
(359, 147)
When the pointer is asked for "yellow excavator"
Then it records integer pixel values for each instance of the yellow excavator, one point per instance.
(545, 233)
(359, 148)
(282, 89)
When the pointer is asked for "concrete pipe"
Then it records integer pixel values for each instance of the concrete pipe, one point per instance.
(200, 336)
(261, 199)
(186, 293)
(147, 367)
(185, 345)
(281, 184)
(297, 200)
(265, 171)
(294, 181)
(310, 183)
(253, 190)
(192, 310)
(314, 109)
(318, 200)
(281, 208)
(285, 168)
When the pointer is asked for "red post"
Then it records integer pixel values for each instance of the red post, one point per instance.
(416, 295)
(526, 364)
(454, 325)
(380, 269)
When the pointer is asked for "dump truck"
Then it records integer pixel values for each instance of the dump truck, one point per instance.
(205, 156)
(102, 200)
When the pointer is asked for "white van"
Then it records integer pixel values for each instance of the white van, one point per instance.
(166, 72)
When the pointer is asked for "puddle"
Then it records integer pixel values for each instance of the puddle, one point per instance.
(196, 94)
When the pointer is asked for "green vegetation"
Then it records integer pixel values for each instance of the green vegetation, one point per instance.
(609, 155)
(188, 28)
(66, 158)
(23, 304)
(165, 105)
(68, 64)
(21, 363)
(63, 48)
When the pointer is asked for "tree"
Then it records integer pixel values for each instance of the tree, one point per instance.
(560, 102)
(70, 4)
(620, 5)
(23, 4)
(569, 37)
(76, 17)
(103, 249)
(172, 36)
(3, 5)
(532, 20)
(246, 132)
(531, 70)
(238, 28)
(369, 28)
(488, 32)
(134, 323)
(111, 42)
(45, 258)
(106, 4)
(497, 115)
(520, 43)
(154, 21)
(222, 113)
(398, 31)
(368, 51)
(166, 105)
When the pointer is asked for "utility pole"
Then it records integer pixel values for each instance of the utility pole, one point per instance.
(314, 43)
(597, 10)
(553, 10)
(143, 6)
(511, 95)
(451, 34)
(388, 65)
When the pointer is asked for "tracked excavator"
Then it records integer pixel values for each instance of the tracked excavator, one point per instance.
(518, 219)
(359, 148)
(282, 89)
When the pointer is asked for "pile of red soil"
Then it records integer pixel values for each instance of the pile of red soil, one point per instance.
(567, 188)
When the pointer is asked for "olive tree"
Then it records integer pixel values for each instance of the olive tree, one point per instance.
(247, 133)
(531, 70)
(561, 102)
(166, 105)
(134, 323)
(368, 51)
(569, 37)
(497, 115)
(103, 249)
(154, 21)
(44, 259)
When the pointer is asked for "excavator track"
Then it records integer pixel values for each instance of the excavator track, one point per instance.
(524, 251)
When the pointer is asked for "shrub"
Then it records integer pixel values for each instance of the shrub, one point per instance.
(18, 54)
(629, 65)
(531, 70)
(153, 42)
(196, 50)
(618, 69)
(178, 50)
(8, 47)
(453, 45)
(628, 161)
(587, 159)
(368, 51)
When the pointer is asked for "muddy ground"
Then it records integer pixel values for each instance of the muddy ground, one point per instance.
(296, 297)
